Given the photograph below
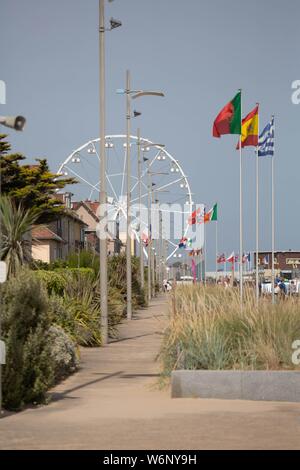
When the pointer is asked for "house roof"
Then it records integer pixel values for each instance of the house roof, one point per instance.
(90, 206)
(71, 213)
(44, 233)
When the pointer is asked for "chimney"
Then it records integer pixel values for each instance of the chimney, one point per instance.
(68, 200)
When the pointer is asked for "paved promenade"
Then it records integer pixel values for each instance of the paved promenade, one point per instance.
(113, 403)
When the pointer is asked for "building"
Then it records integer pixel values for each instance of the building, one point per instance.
(287, 263)
(74, 230)
(88, 212)
(61, 237)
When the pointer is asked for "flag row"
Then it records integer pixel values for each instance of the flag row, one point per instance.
(229, 121)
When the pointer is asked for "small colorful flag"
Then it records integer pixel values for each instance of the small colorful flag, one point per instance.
(266, 140)
(197, 252)
(229, 119)
(250, 129)
(194, 217)
(231, 258)
(183, 243)
(221, 259)
(145, 239)
(246, 257)
(266, 260)
(212, 215)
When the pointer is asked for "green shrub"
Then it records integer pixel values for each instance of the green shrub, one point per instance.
(64, 354)
(36, 264)
(28, 372)
(82, 310)
(57, 281)
(54, 281)
(117, 279)
(116, 311)
(84, 259)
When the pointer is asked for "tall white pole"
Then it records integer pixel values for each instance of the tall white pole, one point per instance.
(216, 251)
(257, 229)
(149, 248)
(128, 172)
(241, 223)
(102, 197)
(204, 267)
(160, 251)
(153, 256)
(273, 223)
(257, 220)
(140, 208)
(241, 211)
(201, 266)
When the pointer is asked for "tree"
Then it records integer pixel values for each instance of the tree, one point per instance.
(33, 186)
(16, 225)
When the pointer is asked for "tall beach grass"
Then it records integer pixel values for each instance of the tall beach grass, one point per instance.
(207, 329)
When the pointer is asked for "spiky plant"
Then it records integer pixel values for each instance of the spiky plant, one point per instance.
(15, 230)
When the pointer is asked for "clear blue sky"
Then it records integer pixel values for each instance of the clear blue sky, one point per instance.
(199, 52)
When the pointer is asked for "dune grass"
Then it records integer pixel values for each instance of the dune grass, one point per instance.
(208, 330)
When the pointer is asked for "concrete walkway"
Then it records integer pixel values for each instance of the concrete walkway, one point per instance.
(113, 403)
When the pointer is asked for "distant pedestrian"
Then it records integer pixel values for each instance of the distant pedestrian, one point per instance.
(169, 287)
(293, 288)
(282, 287)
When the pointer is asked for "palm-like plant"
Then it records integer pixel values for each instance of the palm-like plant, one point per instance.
(15, 236)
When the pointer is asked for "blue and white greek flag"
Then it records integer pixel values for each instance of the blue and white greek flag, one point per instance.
(266, 141)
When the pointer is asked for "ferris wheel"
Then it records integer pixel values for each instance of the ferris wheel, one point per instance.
(169, 183)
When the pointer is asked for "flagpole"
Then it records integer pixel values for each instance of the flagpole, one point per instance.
(241, 213)
(204, 254)
(241, 222)
(216, 252)
(257, 222)
(201, 261)
(273, 220)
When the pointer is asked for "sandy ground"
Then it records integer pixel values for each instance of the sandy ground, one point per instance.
(113, 402)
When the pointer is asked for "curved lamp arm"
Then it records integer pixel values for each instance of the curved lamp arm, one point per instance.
(147, 93)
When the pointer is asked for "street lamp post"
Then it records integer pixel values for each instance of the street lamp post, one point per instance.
(134, 94)
(152, 245)
(102, 194)
(149, 247)
(160, 251)
(156, 265)
(128, 173)
(140, 208)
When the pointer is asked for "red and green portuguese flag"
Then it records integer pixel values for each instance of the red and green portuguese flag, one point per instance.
(229, 121)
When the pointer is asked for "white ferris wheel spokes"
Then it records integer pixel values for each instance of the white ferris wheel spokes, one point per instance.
(168, 181)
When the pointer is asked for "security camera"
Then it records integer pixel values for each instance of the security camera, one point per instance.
(13, 122)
